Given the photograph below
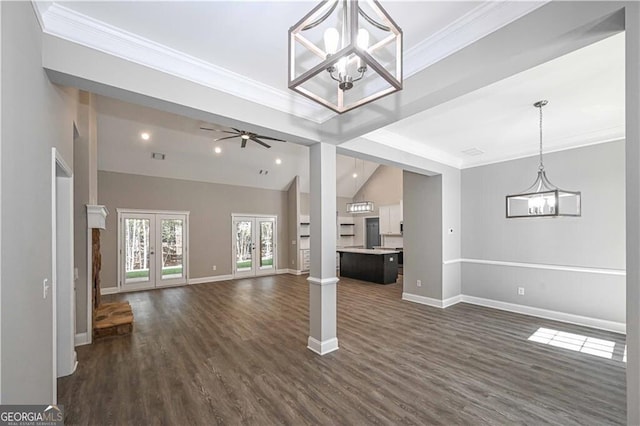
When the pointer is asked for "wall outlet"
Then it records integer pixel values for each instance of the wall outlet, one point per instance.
(215, 267)
(520, 291)
(419, 283)
(45, 288)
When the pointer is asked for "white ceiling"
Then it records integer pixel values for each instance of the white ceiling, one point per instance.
(189, 152)
(240, 48)
(585, 90)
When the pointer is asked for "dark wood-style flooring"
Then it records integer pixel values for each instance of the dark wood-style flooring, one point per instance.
(234, 352)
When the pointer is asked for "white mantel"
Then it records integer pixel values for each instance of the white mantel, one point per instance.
(96, 216)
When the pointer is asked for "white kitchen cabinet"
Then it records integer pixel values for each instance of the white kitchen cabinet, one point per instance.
(390, 218)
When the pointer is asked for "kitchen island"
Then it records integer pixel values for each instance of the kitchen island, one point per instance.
(374, 265)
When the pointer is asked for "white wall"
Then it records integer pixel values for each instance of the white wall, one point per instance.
(36, 116)
(595, 240)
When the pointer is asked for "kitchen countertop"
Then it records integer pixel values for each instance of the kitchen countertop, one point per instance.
(366, 251)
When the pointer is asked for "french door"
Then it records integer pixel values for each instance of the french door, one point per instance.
(153, 250)
(254, 245)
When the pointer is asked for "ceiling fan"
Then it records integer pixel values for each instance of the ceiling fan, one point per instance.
(244, 135)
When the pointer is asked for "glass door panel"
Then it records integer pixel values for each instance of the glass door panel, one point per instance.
(266, 244)
(254, 245)
(153, 250)
(244, 246)
(171, 233)
(138, 251)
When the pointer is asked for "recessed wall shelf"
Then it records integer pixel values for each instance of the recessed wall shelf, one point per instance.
(347, 235)
(304, 236)
(305, 223)
(347, 224)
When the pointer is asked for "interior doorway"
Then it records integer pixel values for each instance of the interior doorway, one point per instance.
(153, 249)
(372, 232)
(63, 286)
(254, 245)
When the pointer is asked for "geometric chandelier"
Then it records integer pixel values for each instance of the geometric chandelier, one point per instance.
(345, 53)
(543, 199)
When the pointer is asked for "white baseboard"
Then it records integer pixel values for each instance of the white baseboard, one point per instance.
(295, 272)
(322, 348)
(212, 279)
(436, 303)
(108, 290)
(282, 271)
(81, 339)
(617, 327)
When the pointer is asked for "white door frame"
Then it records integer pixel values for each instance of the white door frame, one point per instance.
(156, 213)
(62, 277)
(274, 270)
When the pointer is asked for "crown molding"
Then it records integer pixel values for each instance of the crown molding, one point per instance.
(412, 146)
(65, 23)
(481, 21)
(70, 25)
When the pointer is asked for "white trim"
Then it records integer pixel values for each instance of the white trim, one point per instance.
(82, 339)
(96, 216)
(71, 25)
(323, 281)
(324, 347)
(89, 238)
(282, 271)
(212, 279)
(436, 303)
(617, 327)
(295, 272)
(146, 211)
(109, 290)
(255, 270)
(469, 28)
(564, 268)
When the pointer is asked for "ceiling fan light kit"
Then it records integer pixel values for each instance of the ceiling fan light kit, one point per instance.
(345, 53)
(543, 199)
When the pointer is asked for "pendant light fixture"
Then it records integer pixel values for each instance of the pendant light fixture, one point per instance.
(360, 206)
(345, 53)
(543, 199)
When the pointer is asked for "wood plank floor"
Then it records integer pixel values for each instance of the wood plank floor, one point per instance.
(235, 352)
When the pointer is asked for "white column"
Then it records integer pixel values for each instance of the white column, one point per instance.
(632, 71)
(322, 277)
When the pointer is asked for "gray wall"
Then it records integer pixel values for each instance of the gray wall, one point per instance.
(341, 204)
(423, 235)
(211, 206)
(597, 239)
(293, 200)
(384, 187)
(36, 116)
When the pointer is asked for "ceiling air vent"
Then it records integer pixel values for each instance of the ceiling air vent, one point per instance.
(157, 156)
(472, 152)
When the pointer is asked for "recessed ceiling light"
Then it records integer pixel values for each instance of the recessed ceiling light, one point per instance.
(145, 136)
(157, 156)
(355, 175)
(217, 150)
(278, 161)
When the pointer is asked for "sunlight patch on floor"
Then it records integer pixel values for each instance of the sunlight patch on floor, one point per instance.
(577, 342)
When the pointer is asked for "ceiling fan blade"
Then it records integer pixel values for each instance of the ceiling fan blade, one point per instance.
(236, 130)
(269, 138)
(226, 137)
(260, 142)
(232, 133)
(244, 143)
(211, 130)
